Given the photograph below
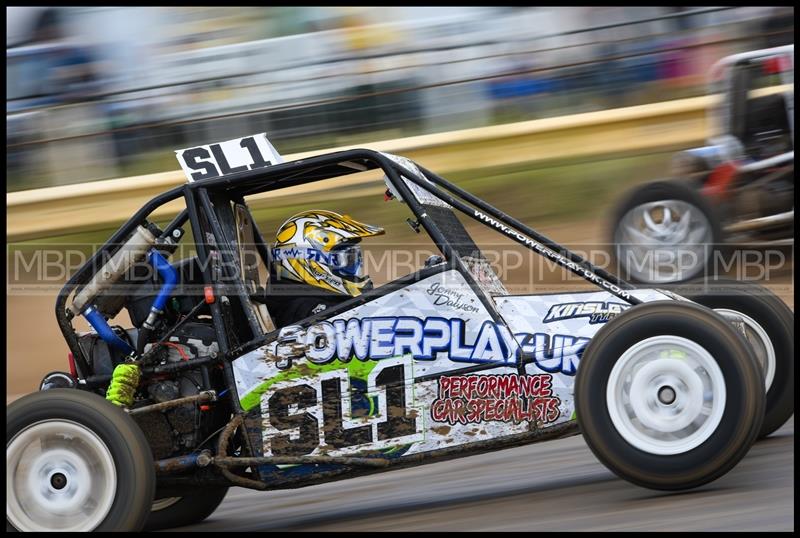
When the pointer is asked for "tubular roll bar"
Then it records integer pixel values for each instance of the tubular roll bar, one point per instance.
(320, 168)
(535, 241)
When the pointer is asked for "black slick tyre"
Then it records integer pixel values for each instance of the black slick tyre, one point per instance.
(75, 462)
(188, 509)
(669, 396)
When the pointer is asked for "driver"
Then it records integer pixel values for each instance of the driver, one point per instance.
(316, 263)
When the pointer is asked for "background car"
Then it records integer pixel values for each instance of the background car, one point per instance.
(738, 189)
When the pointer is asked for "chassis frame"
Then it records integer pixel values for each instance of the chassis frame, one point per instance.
(198, 198)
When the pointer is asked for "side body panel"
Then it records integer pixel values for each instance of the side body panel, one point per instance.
(421, 369)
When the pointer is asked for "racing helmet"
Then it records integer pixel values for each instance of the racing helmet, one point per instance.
(320, 248)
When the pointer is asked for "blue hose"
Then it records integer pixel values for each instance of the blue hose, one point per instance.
(170, 277)
(99, 324)
(168, 274)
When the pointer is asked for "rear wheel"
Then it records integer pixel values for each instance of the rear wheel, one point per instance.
(669, 396)
(193, 507)
(75, 462)
(769, 325)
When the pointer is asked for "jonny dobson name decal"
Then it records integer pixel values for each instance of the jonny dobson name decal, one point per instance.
(443, 296)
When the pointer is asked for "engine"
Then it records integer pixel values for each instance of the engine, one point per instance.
(179, 429)
(171, 326)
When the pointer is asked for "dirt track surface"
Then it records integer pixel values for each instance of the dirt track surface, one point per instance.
(550, 486)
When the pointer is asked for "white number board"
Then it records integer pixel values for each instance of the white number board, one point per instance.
(229, 157)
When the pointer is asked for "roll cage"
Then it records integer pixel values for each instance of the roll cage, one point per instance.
(428, 196)
(731, 78)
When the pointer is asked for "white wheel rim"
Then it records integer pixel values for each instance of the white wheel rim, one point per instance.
(60, 476)
(162, 504)
(759, 340)
(663, 241)
(666, 395)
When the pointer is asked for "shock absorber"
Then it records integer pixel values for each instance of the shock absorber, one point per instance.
(124, 382)
(125, 377)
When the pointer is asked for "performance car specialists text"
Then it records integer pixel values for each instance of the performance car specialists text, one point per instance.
(470, 399)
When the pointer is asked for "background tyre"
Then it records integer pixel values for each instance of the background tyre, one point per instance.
(191, 508)
(664, 232)
(769, 324)
(75, 462)
(669, 396)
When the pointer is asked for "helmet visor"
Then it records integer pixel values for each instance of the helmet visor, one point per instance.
(346, 260)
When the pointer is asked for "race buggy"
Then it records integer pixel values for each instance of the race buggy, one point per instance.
(737, 191)
(154, 422)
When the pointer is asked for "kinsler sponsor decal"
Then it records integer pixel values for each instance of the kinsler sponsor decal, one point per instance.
(596, 311)
(469, 399)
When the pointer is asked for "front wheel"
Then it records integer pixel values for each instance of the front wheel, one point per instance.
(669, 396)
(75, 462)
(193, 507)
(664, 232)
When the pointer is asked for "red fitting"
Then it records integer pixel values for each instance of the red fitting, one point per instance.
(72, 370)
(720, 179)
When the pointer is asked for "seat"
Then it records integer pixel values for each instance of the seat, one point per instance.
(767, 131)
(249, 264)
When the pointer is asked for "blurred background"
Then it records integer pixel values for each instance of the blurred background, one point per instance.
(104, 92)
(548, 113)
(533, 109)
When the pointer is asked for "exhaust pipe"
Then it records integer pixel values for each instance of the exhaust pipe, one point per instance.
(133, 251)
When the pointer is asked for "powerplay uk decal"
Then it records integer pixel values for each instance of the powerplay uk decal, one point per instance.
(424, 339)
(371, 339)
(422, 368)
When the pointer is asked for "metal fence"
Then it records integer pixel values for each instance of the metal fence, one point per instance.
(312, 105)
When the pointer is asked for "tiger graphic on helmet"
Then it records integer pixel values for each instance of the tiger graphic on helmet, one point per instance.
(320, 248)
